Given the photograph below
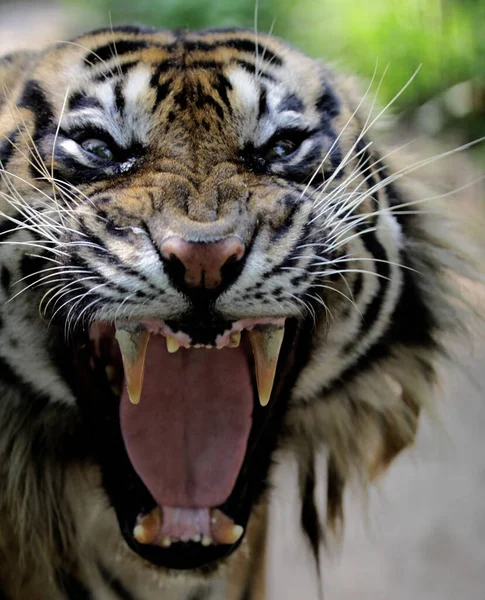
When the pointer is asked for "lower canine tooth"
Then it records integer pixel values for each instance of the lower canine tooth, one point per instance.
(266, 343)
(133, 347)
(223, 529)
(148, 527)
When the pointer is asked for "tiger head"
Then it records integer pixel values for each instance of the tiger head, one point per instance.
(206, 260)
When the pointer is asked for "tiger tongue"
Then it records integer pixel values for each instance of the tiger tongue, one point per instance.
(187, 438)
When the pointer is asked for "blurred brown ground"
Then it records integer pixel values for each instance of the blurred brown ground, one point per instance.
(421, 533)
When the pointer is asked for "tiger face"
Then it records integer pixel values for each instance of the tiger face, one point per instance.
(211, 264)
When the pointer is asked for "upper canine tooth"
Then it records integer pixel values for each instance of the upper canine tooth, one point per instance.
(172, 344)
(133, 347)
(266, 343)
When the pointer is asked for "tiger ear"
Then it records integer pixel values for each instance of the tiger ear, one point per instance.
(13, 69)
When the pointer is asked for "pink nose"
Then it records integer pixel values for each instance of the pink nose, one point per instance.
(206, 264)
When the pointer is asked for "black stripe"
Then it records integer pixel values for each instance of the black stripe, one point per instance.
(221, 86)
(7, 147)
(383, 269)
(140, 29)
(115, 49)
(180, 99)
(73, 588)
(300, 172)
(79, 101)
(263, 102)
(10, 378)
(204, 99)
(163, 91)
(30, 266)
(5, 278)
(124, 69)
(375, 249)
(251, 68)
(357, 286)
(7, 228)
(241, 45)
(335, 492)
(115, 584)
(309, 519)
(8, 375)
(119, 98)
(114, 260)
(365, 162)
(412, 321)
(291, 204)
(291, 102)
(328, 103)
(34, 98)
(162, 67)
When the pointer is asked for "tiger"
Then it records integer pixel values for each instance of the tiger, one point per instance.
(208, 261)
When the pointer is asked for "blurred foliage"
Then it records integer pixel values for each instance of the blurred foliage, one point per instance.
(445, 37)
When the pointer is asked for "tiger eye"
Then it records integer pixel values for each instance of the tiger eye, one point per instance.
(282, 149)
(98, 148)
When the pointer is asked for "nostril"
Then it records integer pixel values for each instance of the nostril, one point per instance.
(176, 266)
(207, 265)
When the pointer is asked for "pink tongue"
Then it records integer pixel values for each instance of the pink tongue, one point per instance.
(187, 437)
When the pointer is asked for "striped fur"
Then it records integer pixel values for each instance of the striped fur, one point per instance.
(338, 243)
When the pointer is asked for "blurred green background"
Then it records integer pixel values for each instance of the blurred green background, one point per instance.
(446, 37)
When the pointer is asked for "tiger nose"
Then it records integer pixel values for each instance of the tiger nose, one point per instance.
(208, 265)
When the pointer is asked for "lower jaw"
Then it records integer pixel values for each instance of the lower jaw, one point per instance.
(129, 496)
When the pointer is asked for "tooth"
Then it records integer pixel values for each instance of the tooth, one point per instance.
(166, 542)
(206, 540)
(148, 527)
(266, 343)
(133, 347)
(172, 344)
(234, 339)
(115, 389)
(110, 372)
(196, 538)
(223, 529)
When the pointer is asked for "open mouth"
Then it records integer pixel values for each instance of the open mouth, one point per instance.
(184, 431)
